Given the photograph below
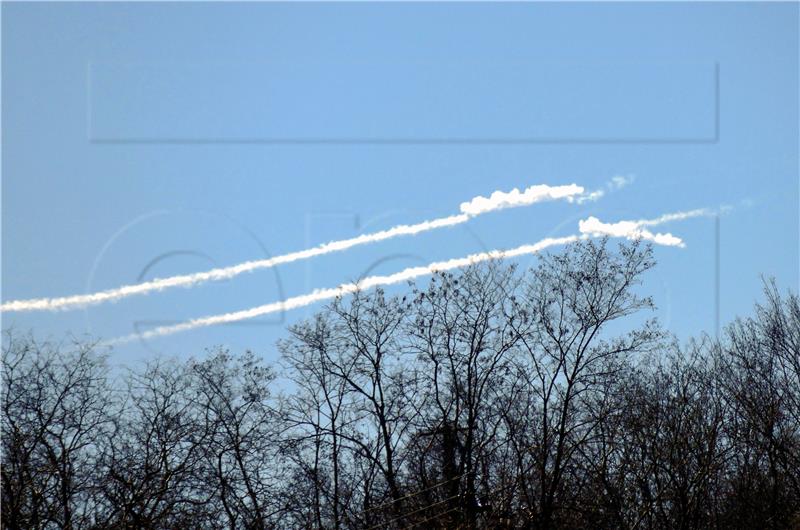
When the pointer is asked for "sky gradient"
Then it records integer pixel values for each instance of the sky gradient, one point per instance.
(148, 140)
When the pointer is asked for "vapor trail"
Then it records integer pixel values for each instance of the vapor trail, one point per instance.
(680, 216)
(616, 183)
(590, 227)
(479, 205)
(347, 288)
(635, 229)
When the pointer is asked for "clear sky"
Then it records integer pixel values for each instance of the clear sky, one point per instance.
(146, 140)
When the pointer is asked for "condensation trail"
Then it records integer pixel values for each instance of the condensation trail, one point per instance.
(477, 206)
(590, 227)
(347, 288)
(635, 229)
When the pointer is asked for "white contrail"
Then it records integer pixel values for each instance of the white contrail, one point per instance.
(511, 199)
(477, 206)
(628, 229)
(348, 288)
(588, 227)
(680, 216)
(617, 182)
(635, 229)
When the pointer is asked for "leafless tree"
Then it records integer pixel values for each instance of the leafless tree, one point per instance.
(568, 357)
(56, 414)
(759, 362)
(355, 400)
(489, 398)
(463, 340)
(232, 397)
(675, 448)
(149, 472)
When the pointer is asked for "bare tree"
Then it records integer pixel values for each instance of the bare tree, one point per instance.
(56, 414)
(568, 356)
(355, 397)
(675, 445)
(462, 338)
(241, 459)
(759, 362)
(149, 470)
(318, 415)
(491, 398)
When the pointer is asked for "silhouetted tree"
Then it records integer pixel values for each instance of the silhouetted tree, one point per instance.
(57, 413)
(491, 398)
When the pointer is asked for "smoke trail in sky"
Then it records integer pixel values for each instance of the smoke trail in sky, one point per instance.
(477, 206)
(347, 288)
(538, 193)
(635, 229)
(628, 229)
(680, 216)
(616, 183)
(589, 227)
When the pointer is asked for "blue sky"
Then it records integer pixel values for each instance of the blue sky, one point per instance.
(146, 140)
